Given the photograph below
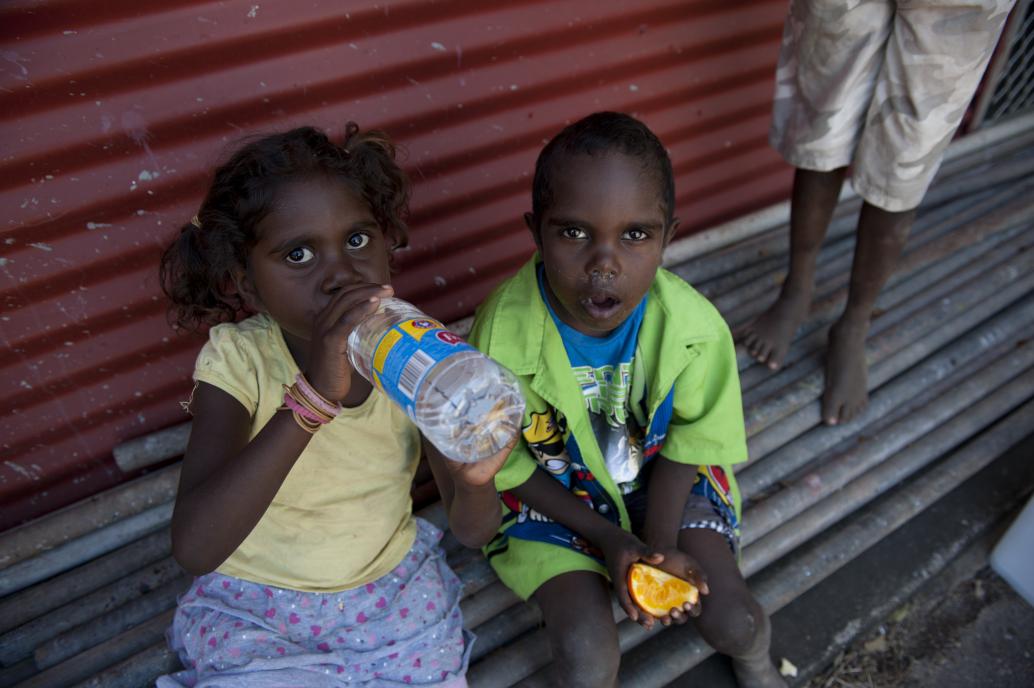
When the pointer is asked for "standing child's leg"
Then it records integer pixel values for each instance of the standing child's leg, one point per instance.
(881, 237)
(582, 634)
(731, 620)
(815, 197)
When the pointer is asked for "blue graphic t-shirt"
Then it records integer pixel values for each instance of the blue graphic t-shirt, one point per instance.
(603, 368)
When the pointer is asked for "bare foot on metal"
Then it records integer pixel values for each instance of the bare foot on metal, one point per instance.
(768, 338)
(847, 376)
(757, 674)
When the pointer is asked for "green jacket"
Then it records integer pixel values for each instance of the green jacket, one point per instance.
(686, 360)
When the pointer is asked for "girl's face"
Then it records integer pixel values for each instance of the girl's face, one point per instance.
(601, 239)
(319, 237)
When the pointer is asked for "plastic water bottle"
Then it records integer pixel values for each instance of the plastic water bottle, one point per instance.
(465, 403)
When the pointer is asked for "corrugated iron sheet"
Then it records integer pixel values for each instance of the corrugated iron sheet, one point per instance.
(113, 114)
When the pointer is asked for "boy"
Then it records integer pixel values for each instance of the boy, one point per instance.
(633, 410)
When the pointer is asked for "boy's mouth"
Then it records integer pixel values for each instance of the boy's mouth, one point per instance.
(601, 305)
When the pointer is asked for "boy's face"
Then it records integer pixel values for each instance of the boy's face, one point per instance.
(601, 239)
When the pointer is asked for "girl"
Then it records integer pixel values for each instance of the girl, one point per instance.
(293, 508)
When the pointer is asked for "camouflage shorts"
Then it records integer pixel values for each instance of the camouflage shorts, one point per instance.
(880, 85)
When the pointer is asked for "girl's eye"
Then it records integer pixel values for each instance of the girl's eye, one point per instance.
(572, 233)
(299, 256)
(358, 240)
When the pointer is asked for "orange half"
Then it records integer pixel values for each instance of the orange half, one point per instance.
(658, 592)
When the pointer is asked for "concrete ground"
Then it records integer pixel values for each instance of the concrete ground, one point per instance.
(921, 608)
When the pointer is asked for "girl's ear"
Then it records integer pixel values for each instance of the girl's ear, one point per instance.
(245, 289)
(532, 223)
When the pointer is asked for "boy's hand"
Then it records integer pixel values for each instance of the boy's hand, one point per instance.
(482, 472)
(620, 552)
(678, 563)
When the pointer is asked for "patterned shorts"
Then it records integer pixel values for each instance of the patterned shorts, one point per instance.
(708, 506)
(404, 628)
(880, 85)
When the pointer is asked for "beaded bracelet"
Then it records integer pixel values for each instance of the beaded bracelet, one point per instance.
(315, 398)
(308, 407)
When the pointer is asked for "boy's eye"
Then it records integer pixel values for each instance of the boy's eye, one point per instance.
(636, 235)
(572, 233)
(299, 256)
(358, 240)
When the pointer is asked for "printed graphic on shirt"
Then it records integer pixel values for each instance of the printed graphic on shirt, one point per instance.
(606, 390)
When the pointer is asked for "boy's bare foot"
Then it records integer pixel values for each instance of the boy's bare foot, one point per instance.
(847, 375)
(768, 338)
(757, 674)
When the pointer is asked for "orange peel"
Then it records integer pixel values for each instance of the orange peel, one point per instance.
(657, 592)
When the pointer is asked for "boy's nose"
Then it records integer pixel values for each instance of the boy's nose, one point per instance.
(603, 266)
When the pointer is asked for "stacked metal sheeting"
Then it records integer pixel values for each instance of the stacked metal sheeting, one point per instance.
(88, 592)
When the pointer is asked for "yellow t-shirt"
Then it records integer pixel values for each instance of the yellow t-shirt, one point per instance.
(343, 516)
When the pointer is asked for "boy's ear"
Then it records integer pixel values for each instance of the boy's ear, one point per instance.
(669, 233)
(533, 226)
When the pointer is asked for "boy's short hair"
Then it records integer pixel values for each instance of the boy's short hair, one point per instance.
(600, 133)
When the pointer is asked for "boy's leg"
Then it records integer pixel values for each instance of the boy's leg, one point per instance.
(582, 634)
(814, 198)
(731, 621)
(881, 237)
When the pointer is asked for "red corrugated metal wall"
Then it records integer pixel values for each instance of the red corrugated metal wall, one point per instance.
(113, 113)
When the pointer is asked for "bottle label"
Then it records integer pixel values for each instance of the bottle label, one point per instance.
(405, 354)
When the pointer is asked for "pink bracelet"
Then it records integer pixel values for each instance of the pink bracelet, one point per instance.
(315, 398)
(305, 413)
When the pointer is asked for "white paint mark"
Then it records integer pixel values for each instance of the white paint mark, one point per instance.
(69, 33)
(20, 470)
(253, 12)
(3, 262)
(633, 88)
(438, 46)
(439, 281)
(513, 87)
(43, 247)
(147, 175)
(96, 225)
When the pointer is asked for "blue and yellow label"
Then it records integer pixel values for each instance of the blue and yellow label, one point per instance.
(407, 352)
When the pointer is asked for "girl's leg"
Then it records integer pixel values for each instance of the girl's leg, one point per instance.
(580, 625)
(732, 621)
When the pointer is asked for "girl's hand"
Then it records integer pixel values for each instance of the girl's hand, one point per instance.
(678, 563)
(328, 369)
(480, 473)
(620, 552)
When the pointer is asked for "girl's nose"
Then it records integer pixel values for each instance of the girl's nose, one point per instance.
(339, 273)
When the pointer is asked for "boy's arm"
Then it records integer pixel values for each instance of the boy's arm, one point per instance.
(667, 493)
(620, 548)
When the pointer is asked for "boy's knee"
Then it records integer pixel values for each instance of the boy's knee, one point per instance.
(736, 629)
(586, 659)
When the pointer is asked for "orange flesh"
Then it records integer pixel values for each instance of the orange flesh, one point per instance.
(658, 592)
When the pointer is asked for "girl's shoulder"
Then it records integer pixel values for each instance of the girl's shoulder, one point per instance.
(257, 332)
(253, 342)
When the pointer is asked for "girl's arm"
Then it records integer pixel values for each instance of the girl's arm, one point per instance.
(227, 483)
(468, 493)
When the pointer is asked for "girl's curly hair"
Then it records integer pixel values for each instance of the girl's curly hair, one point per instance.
(197, 269)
